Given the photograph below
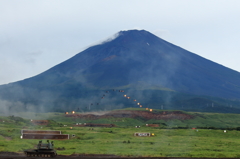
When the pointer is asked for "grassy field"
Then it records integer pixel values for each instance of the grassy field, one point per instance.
(167, 140)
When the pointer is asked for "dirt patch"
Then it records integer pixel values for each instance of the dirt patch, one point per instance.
(152, 125)
(94, 125)
(8, 138)
(40, 122)
(165, 115)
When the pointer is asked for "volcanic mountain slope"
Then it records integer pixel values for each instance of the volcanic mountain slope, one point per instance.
(134, 60)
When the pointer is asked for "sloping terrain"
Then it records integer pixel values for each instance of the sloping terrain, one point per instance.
(137, 61)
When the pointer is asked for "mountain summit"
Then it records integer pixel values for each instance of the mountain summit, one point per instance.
(133, 60)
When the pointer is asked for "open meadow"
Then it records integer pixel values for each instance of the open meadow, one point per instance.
(166, 141)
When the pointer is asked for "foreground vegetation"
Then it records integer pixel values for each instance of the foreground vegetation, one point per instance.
(168, 140)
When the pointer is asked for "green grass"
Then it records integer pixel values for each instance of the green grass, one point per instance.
(121, 141)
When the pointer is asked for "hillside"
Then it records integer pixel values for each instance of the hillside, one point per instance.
(145, 66)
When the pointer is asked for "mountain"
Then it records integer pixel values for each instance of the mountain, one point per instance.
(136, 62)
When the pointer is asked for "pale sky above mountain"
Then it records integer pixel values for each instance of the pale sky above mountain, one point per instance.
(37, 35)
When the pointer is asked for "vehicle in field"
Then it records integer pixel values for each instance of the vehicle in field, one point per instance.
(43, 150)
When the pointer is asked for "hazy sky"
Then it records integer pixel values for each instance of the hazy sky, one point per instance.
(35, 35)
